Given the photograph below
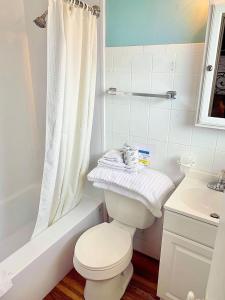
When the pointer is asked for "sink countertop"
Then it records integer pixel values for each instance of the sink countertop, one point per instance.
(194, 199)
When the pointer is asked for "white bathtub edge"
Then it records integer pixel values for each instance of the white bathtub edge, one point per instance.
(55, 259)
(36, 247)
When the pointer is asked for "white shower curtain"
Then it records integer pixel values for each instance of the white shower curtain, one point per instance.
(72, 63)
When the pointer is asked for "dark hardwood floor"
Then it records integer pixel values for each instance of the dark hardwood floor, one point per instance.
(143, 285)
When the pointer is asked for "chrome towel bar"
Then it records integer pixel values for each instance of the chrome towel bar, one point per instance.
(169, 95)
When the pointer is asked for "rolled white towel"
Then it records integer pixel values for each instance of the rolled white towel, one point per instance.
(130, 155)
(5, 283)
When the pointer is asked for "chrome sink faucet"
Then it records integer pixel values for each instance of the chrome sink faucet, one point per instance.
(219, 185)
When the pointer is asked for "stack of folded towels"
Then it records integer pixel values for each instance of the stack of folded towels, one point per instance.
(118, 171)
(125, 159)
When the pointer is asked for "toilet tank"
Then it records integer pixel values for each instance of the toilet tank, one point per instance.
(128, 211)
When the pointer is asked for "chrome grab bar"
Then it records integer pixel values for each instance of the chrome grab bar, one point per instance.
(169, 95)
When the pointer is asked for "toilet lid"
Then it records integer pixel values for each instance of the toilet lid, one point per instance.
(103, 247)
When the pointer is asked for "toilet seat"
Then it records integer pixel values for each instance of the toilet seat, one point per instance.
(103, 252)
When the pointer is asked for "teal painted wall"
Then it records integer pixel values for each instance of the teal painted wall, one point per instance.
(147, 22)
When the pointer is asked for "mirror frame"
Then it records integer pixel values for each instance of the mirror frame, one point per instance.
(213, 35)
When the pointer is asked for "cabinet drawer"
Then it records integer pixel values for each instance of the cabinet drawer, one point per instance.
(192, 229)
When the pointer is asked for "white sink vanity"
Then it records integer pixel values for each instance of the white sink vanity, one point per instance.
(189, 234)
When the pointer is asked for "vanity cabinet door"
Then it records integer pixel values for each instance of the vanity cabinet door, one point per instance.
(184, 267)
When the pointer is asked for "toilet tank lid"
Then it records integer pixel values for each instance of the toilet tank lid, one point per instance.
(103, 246)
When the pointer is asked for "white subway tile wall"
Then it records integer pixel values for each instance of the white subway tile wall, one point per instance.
(166, 126)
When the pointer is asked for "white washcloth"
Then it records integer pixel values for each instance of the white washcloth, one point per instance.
(5, 283)
(114, 155)
(152, 186)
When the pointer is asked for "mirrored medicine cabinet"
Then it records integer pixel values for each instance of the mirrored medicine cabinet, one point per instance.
(211, 108)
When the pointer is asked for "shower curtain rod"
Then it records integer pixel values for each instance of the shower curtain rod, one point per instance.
(95, 10)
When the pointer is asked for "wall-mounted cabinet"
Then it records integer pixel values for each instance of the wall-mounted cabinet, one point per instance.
(211, 109)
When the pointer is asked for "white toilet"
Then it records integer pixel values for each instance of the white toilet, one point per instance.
(103, 253)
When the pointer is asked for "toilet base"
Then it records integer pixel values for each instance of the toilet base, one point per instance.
(111, 289)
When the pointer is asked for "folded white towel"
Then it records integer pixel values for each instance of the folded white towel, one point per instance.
(152, 186)
(114, 155)
(114, 160)
(5, 283)
(119, 190)
(116, 165)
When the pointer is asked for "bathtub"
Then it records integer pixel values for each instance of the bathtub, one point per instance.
(17, 219)
(37, 265)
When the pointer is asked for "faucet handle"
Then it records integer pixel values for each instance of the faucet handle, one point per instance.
(218, 185)
(222, 176)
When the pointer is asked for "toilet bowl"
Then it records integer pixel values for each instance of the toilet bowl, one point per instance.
(103, 253)
(102, 256)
